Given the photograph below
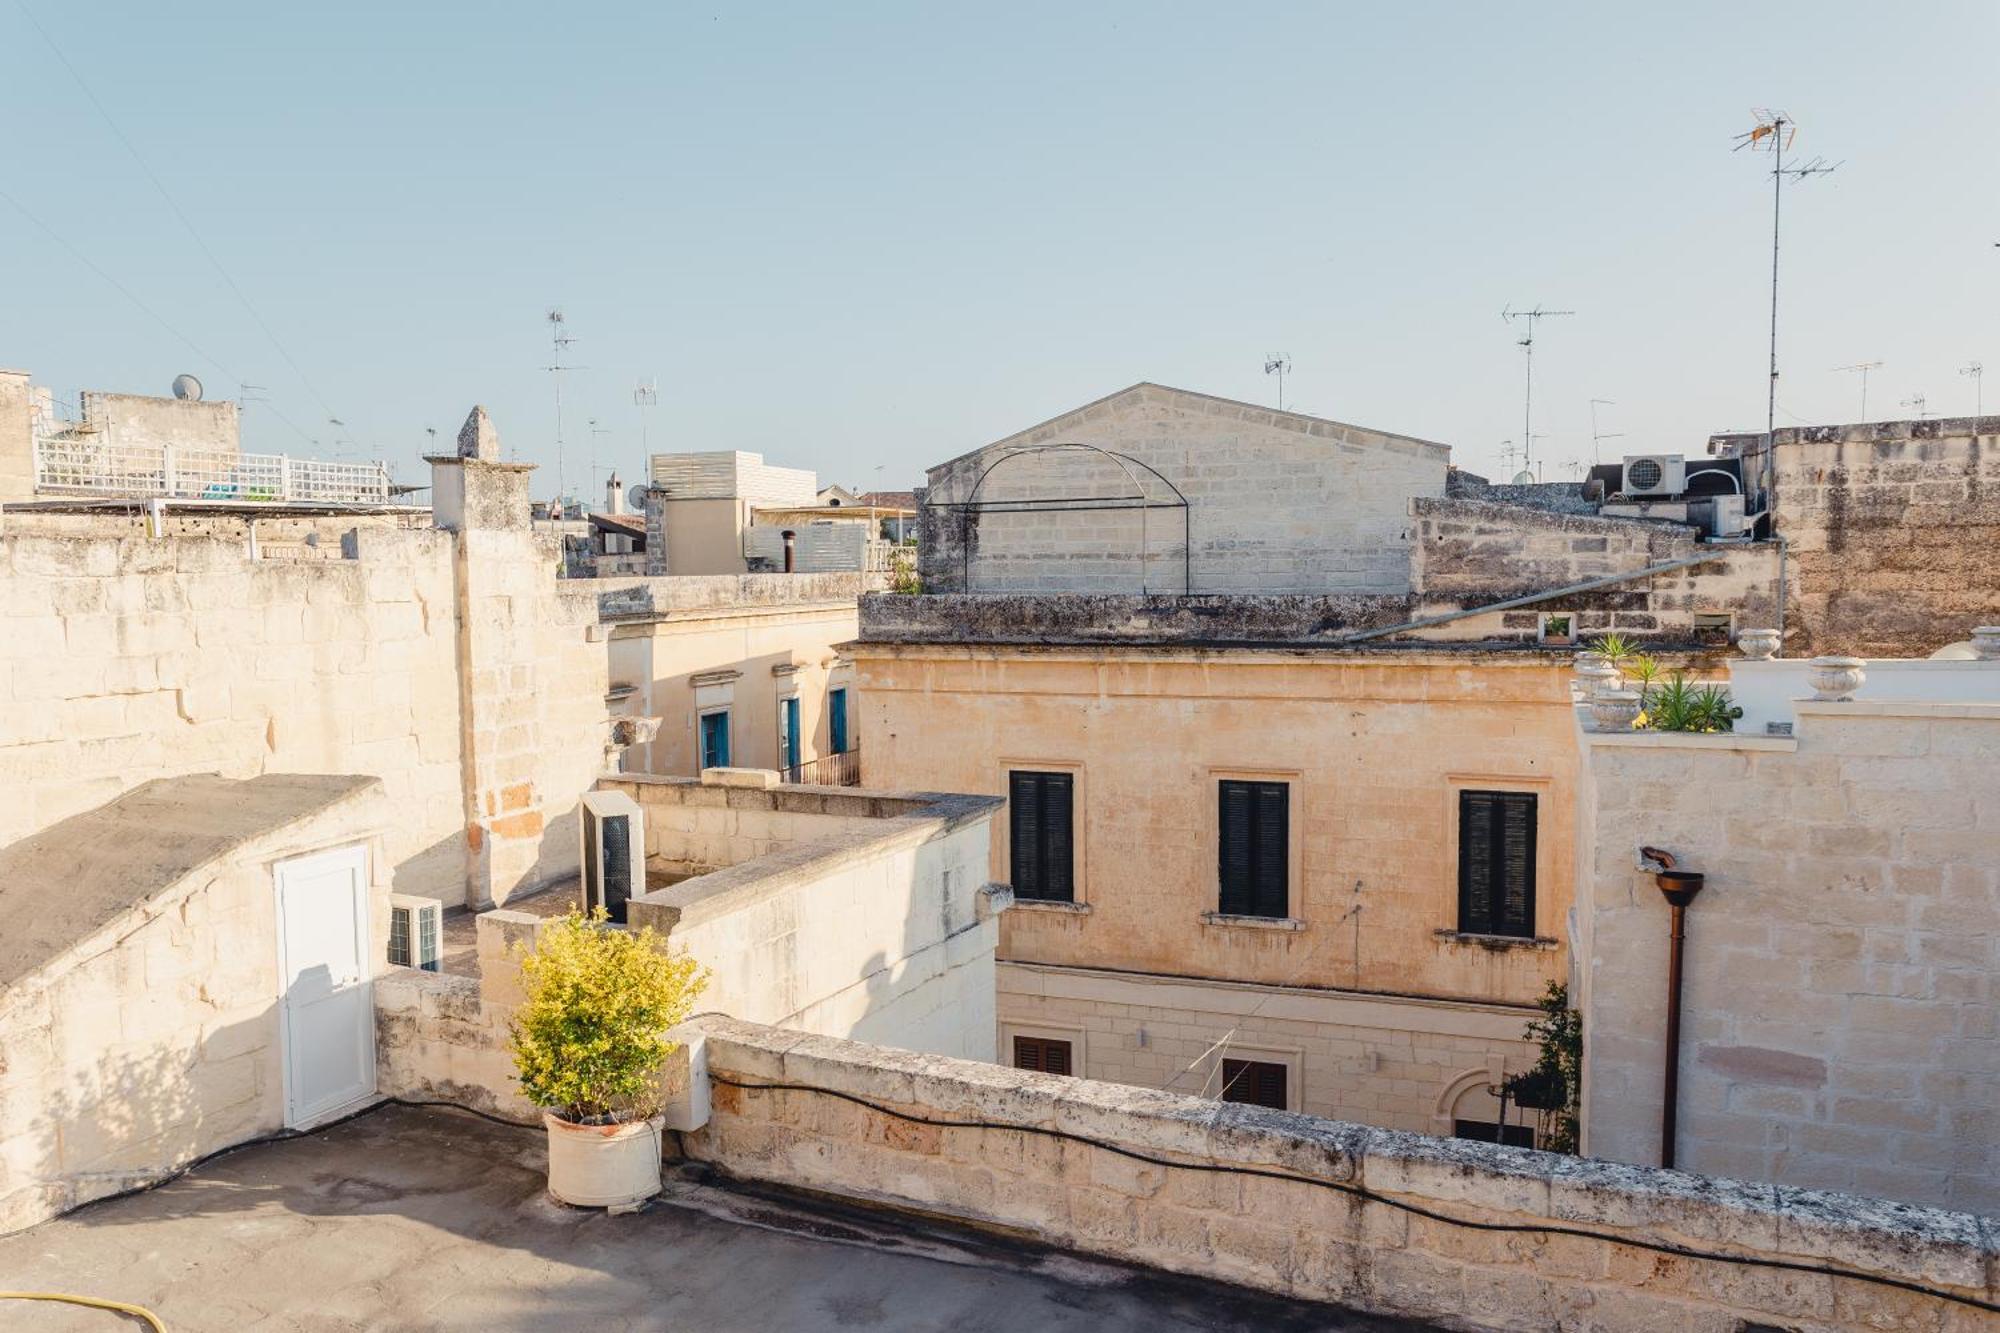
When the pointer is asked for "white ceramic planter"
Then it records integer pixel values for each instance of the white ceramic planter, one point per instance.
(1614, 710)
(1835, 679)
(604, 1166)
(1759, 645)
(1986, 643)
(1593, 680)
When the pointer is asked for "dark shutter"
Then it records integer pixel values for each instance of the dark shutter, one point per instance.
(1043, 1055)
(1254, 848)
(1254, 1082)
(1040, 835)
(1496, 863)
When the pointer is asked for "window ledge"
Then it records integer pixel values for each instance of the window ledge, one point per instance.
(1253, 922)
(1050, 905)
(1496, 942)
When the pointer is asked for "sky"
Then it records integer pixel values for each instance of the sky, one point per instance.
(864, 238)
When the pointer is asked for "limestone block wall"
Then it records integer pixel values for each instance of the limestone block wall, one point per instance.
(1276, 502)
(124, 659)
(1225, 1196)
(156, 1040)
(1894, 530)
(1842, 1027)
(872, 925)
(1469, 553)
(1386, 1060)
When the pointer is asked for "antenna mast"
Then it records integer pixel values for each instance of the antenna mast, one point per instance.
(559, 335)
(1774, 132)
(1976, 372)
(644, 395)
(1595, 434)
(1862, 368)
(1527, 320)
(1278, 365)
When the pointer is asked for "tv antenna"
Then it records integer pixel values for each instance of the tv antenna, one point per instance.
(1278, 365)
(1773, 133)
(1595, 434)
(645, 394)
(1861, 368)
(1976, 372)
(1915, 402)
(560, 336)
(1527, 318)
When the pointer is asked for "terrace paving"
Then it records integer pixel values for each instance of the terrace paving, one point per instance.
(431, 1219)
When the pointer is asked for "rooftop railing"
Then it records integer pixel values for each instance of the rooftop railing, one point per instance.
(829, 770)
(78, 465)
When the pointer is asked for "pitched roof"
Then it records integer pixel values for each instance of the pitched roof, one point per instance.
(1209, 405)
(630, 525)
(888, 499)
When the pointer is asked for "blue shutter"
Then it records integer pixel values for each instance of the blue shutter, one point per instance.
(836, 712)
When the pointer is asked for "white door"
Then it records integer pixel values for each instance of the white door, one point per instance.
(329, 1003)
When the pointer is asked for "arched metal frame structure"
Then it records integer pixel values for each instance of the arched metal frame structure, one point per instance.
(972, 506)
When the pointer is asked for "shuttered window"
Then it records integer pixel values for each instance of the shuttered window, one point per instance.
(1040, 811)
(1496, 863)
(1044, 1055)
(1255, 848)
(1256, 1082)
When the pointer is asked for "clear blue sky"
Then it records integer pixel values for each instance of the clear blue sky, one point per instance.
(863, 238)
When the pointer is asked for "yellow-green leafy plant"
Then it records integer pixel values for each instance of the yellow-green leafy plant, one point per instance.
(590, 1038)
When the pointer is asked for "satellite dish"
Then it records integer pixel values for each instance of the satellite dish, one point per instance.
(635, 497)
(1524, 478)
(187, 388)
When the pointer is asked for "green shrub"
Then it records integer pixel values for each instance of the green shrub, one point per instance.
(1679, 705)
(589, 1040)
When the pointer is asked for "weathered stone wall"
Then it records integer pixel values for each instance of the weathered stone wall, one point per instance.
(1471, 553)
(156, 1039)
(1114, 618)
(1842, 1026)
(127, 659)
(1276, 502)
(148, 421)
(1388, 1060)
(17, 437)
(1894, 532)
(861, 916)
(1249, 1222)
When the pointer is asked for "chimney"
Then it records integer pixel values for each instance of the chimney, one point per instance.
(614, 495)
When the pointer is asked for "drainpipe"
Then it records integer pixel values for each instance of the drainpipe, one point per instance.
(1680, 888)
(791, 551)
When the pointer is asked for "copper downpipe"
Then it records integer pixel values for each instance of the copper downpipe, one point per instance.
(1679, 887)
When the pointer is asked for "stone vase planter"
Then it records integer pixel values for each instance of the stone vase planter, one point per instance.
(1986, 643)
(1759, 645)
(1835, 679)
(604, 1166)
(1596, 678)
(1614, 710)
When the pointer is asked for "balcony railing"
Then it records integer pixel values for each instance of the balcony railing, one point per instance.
(77, 465)
(829, 770)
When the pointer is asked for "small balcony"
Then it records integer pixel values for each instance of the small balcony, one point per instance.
(829, 770)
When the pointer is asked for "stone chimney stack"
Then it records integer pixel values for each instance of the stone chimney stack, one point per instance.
(614, 495)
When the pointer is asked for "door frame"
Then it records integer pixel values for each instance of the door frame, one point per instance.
(364, 931)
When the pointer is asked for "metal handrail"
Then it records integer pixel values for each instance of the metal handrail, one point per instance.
(829, 770)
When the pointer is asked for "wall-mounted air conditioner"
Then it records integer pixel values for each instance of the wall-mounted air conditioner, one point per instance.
(1654, 474)
(613, 855)
(416, 932)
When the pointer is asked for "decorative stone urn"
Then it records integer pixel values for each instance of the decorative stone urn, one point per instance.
(1614, 710)
(1596, 678)
(1986, 643)
(1835, 679)
(1759, 645)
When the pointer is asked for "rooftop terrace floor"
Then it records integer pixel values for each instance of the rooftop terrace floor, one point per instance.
(430, 1219)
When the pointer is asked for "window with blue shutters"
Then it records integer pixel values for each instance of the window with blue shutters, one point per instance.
(790, 707)
(1496, 863)
(1255, 848)
(715, 740)
(836, 720)
(1041, 835)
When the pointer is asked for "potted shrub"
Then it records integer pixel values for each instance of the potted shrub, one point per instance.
(589, 1041)
(1555, 631)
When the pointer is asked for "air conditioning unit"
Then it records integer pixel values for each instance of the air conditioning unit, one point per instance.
(416, 932)
(1654, 474)
(613, 855)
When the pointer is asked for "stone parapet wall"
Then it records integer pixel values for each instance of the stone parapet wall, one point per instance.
(696, 594)
(1842, 1023)
(1112, 618)
(1213, 1188)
